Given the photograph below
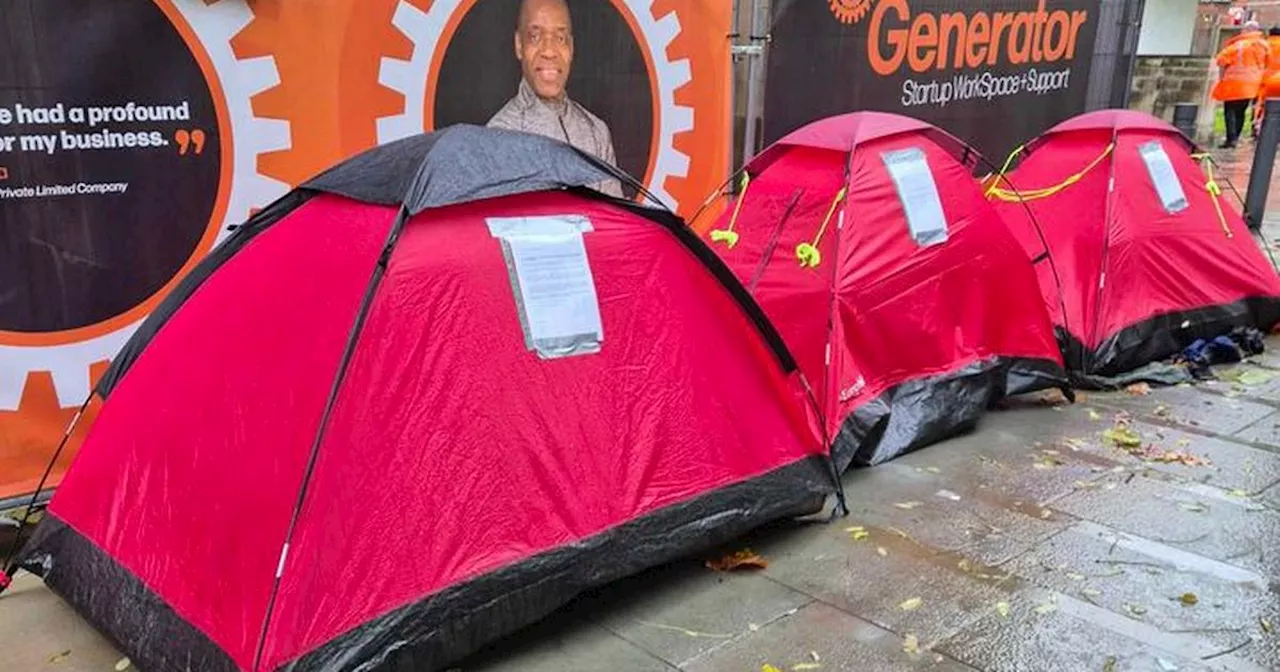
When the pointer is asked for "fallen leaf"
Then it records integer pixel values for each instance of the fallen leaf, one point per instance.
(1003, 609)
(744, 558)
(1086, 485)
(1239, 493)
(1046, 607)
(1138, 389)
(58, 658)
(122, 664)
(947, 494)
(769, 668)
(1135, 609)
(1123, 437)
(933, 470)
(1183, 443)
(814, 656)
(1162, 411)
(685, 631)
(1076, 444)
(965, 565)
(1266, 626)
(1094, 415)
(1045, 513)
(1075, 576)
(881, 550)
(911, 604)
(1110, 665)
(753, 627)
(806, 666)
(1189, 599)
(858, 532)
(908, 505)
(911, 644)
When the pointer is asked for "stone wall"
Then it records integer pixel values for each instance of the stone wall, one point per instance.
(1159, 82)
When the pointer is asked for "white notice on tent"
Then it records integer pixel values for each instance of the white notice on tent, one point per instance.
(551, 276)
(918, 194)
(1163, 177)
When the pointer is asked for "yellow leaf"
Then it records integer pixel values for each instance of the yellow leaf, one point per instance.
(743, 558)
(806, 666)
(1123, 437)
(1046, 608)
(1266, 626)
(1094, 415)
(122, 664)
(1189, 599)
(769, 668)
(911, 604)
(907, 505)
(1045, 513)
(965, 565)
(1003, 609)
(933, 470)
(910, 644)
(858, 532)
(881, 550)
(1239, 493)
(58, 658)
(1110, 665)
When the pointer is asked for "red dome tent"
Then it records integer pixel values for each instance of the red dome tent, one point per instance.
(416, 404)
(908, 320)
(1148, 257)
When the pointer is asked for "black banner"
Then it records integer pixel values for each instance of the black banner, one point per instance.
(995, 73)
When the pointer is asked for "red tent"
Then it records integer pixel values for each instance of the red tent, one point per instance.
(416, 404)
(1148, 257)
(905, 299)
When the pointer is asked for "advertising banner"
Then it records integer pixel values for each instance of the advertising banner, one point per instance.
(133, 133)
(995, 73)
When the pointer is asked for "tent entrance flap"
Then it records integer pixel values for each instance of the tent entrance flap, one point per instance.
(767, 257)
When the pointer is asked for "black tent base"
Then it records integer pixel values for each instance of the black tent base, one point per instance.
(1160, 338)
(922, 412)
(442, 628)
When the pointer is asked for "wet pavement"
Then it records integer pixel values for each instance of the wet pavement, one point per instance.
(1033, 543)
(1041, 541)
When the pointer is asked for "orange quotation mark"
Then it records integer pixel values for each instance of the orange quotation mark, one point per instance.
(193, 140)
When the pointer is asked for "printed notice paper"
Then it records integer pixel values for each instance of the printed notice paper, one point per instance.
(919, 195)
(1163, 177)
(551, 277)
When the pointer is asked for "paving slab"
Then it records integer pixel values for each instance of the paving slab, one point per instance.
(1248, 380)
(1149, 583)
(564, 642)
(686, 610)
(1191, 407)
(841, 642)
(989, 533)
(1266, 431)
(1201, 520)
(1045, 631)
(51, 635)
(1231, 465)
(879, 574)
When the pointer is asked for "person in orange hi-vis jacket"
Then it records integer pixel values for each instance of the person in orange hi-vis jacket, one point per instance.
(1243, 62)
(1273, 67)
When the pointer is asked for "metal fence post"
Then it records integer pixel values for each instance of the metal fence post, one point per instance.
(1264, 159)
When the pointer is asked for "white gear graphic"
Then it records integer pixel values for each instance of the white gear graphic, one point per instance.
(215, 25)
(424, 29)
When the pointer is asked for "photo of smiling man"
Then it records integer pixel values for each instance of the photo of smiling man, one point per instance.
(544, 47)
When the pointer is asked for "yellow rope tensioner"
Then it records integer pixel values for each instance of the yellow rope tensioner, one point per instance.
(1014, 196)
(729, 236)
(1214, 190)
(808, 253)
(1003, 169)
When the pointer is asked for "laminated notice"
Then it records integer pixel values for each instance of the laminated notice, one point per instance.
(551, 278)
(918, 194)
(1163, 177)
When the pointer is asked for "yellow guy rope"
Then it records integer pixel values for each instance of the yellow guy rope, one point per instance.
(1211, 186)
(1014, 196)
(729, 236)
(1003, 169)
(808, 253)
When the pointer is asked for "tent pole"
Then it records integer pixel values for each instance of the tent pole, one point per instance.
(335, 388)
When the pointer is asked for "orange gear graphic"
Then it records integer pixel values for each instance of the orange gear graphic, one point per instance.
(30, 433)
(850, 11)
